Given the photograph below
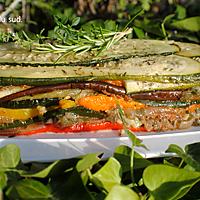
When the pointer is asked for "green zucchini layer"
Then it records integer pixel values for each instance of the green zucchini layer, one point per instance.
(140, 66)
(144, 86)
(5, 81)
(11, 53)
(30, 103)
(173, 104)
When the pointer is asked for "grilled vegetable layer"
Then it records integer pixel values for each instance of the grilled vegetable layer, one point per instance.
(156, 84)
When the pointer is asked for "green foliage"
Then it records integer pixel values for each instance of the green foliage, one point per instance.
(108, 176)
(159, 19)
(191, 24)
(189, 155)
(9, 157)
(119, 192)
(167, 182)
(28, 189)
(89, 177)
(3, 180)
(5, 37)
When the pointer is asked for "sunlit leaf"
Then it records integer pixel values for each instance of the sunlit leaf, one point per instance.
(189, 24)
(119, 192)
(109, 175)
(180, 11)
(167, 182)
(3, 180)
(87, 161)
(9, 156)
(29, 189)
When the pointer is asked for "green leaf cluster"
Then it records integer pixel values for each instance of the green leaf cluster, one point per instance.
(91, 177)
(160, 19)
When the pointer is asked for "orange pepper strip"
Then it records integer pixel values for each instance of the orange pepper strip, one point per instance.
(193, 107)
(103, 103)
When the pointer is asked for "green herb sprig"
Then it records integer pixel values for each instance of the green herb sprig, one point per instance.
(70, 40)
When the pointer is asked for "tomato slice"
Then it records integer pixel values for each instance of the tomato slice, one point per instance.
(82, 127)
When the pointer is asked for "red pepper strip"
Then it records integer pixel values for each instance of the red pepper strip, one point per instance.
(93, 127)
(81, 128)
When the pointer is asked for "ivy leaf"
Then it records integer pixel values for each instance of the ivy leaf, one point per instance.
(139, 32)
(69, 186)
(3, 180)
(167, 182)
(180, 12)
(29, 189)
(109, 175)
(56, 168)
(88, 161)
(173, 148)
(194, 151)
(9, 156)
(190, 156)
(189, 24)
(110, 25)
(123, 155)
(120, 192)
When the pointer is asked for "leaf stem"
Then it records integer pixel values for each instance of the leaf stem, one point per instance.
(132, 164)
(180, 164)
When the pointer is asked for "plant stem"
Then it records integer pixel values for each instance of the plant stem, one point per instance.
(132, 163)
(180, 164)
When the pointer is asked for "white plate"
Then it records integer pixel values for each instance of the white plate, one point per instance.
(49, 147)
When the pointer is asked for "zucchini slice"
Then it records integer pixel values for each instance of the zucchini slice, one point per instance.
(188, 49)
(153, 68)
(11, 53)
(30, 103)
(143, 86)
(174, 104)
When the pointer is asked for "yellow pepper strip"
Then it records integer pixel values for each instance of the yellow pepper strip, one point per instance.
(64, 103)
(19, 114)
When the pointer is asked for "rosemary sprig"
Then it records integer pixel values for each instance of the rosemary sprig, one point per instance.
(66, 39)
(82, 42)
